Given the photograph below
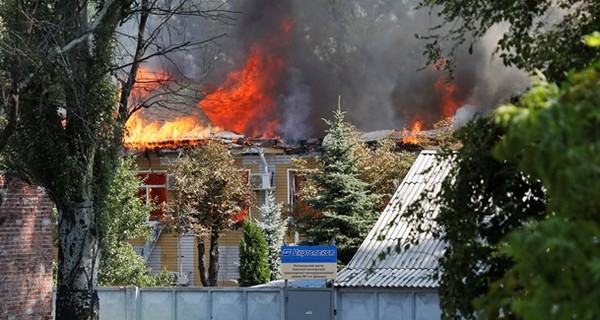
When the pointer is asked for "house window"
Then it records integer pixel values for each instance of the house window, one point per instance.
(154, 191)
(294, 183)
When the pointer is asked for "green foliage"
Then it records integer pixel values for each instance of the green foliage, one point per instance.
(557, 131)
(480, 201)
(542, 34)
(208, 191)
(254, 266)
(382, 167)
(558, 128)
(348, 209)
(124, 219)
(273, 228)
(124, 267)
(125, 214)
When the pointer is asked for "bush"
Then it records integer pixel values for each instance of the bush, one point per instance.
(254, 266)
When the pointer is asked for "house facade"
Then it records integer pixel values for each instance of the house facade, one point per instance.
(268, 165)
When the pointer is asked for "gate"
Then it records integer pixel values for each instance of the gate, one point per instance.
(309, 304)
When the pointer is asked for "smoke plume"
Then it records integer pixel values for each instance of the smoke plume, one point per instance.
(362, 50)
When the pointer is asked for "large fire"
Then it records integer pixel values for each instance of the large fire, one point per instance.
(243, 103)
(246, 102)
(449, 104)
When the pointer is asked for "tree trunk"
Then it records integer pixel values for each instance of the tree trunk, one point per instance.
(76, 296)
(213, 267)
(201, 262)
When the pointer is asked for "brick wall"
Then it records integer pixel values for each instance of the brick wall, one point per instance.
(25, 251)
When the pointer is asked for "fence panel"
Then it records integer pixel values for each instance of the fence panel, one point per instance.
(192, 305)
(259, 302)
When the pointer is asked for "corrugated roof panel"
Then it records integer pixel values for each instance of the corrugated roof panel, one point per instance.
(412, 268)
(387, 278)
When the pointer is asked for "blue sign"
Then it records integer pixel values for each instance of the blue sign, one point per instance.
(307, 254)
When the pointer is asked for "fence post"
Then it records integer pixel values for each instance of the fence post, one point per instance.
(131, 302)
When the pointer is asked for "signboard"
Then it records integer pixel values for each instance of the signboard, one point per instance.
(309, 262)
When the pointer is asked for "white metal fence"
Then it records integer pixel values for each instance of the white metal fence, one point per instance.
(191, 303)
(258, 304)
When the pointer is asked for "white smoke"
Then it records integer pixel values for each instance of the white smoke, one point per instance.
(465, 114)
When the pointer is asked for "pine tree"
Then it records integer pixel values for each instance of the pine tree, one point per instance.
(254, 267)
(347, 208)
(273, 228)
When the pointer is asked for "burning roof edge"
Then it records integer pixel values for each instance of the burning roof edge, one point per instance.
(278, 145)
(233, 140)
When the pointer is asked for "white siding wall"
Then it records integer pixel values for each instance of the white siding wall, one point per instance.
(154, 261)
(187, 245)
(229, 262)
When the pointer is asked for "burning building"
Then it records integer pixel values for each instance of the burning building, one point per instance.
(278, 73)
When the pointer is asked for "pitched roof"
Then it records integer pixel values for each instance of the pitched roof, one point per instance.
(411, 268)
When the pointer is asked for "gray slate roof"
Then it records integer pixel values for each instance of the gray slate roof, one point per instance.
(408, 269)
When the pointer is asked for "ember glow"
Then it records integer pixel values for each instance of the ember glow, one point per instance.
(246, 101)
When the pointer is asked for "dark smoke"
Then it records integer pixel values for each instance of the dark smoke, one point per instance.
(363, 51)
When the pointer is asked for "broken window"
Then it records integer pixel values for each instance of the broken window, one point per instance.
(154, 191)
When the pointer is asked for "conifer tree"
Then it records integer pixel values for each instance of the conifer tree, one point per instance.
(347, 209)
(273, 228)
(254, 267)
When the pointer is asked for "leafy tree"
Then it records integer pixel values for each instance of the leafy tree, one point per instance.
(208, 190)
(382, 167)
(556, 129)
(125, 219)
(542, 34)
(480, 201)
(63, 117)
(273, 228)
(254, 250)
(347, 208)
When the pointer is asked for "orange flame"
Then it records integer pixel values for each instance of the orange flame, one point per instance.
(170, 134)
(449, 92)
(410, 136)
(146, 83)
(450, 102)
(246, 101)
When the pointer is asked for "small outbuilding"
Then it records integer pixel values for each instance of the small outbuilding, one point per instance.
(380, 283)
